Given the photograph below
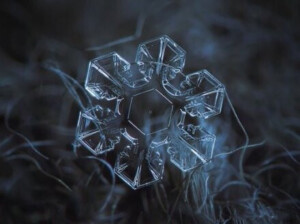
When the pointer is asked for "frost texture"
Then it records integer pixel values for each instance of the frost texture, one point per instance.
(141, 110)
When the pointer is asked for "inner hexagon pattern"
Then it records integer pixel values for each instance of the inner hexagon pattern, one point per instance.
(150, 112)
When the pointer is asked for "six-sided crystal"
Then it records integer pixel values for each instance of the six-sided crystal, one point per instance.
(147, 109)
(141, 111)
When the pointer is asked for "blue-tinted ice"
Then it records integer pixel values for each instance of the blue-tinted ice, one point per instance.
(97, 130)
(140, 112)
(138, 166)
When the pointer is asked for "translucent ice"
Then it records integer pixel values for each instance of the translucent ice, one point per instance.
(101, 81)
(140, 112)
(146, 110)
(191, 147)
(206, 99)
(175, 82)
(107, 74)
(138, 166)
(162, 50)
(203, 93)
(95, 130)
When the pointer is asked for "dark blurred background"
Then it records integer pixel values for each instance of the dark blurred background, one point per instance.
(253, 47)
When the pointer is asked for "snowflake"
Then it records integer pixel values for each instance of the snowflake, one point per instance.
(143, 112)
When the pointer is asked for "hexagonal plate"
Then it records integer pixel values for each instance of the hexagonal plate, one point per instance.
(150, 112)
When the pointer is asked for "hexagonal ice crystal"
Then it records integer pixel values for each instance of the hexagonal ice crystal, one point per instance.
(147, 109)
(144, 109)
(162, 50)
(138, 166)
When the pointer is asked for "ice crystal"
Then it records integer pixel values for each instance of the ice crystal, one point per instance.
(141, 108)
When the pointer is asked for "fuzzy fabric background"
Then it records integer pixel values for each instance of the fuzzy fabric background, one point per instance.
(253, 47)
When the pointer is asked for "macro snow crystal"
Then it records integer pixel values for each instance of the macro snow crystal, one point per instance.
(141, 109)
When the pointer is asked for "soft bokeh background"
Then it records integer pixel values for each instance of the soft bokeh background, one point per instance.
(253, 47)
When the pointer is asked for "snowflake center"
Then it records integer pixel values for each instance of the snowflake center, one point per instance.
(150, 112)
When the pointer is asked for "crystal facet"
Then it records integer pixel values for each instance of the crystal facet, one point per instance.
(146, 110)
(207, 96)
(192, 147)
(95, 130)
(102, 79)
(162, 50)
(137, 166)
